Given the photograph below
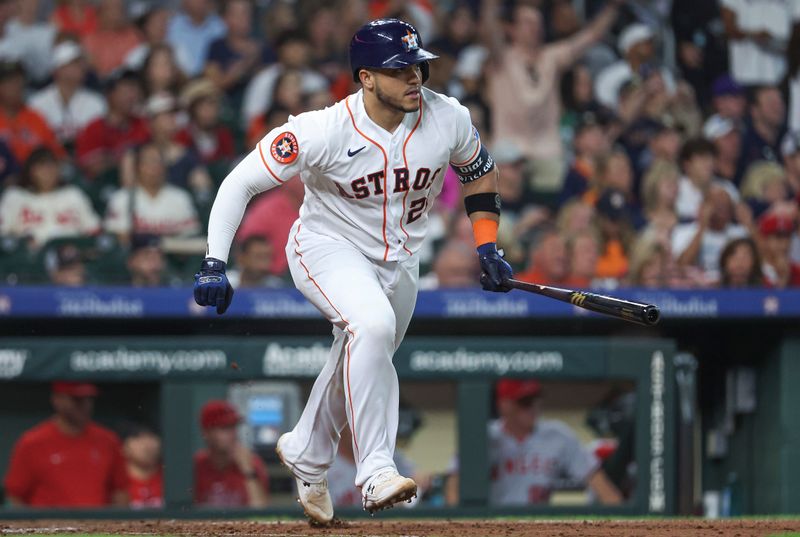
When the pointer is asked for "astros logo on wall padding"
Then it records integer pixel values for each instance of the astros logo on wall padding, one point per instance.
(284, 148)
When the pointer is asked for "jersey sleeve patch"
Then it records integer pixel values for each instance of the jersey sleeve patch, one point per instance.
(284, 148)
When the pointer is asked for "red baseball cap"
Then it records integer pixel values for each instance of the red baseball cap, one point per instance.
(75, 389)
(776, 224)
(219, 413)
(517, 389)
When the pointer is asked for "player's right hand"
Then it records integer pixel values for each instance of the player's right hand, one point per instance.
(211, 286)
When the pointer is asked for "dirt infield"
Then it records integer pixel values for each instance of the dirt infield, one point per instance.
(409, 528)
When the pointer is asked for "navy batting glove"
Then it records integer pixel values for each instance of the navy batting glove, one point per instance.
(211, 286)
(494, 269)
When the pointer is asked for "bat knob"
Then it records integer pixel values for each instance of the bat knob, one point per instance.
(652, 315)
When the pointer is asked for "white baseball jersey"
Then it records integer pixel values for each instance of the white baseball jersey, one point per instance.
(364, 185)
(170, 212)
(526, 470)
(64, 212)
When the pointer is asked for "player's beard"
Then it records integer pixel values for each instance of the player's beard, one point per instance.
(394, 104)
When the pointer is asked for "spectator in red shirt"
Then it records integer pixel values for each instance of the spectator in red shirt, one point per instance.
(142, 448)
(103, 142)
(75, 17)
(21, 127)
(776, 230)
(272, 216)
(204, 133)
(112, 39)
(227, 473)
(68, 460)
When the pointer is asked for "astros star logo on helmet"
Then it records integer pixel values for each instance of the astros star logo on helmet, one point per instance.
(284, 148)
(410, 41)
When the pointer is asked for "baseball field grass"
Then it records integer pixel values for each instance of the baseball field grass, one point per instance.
(674, 527)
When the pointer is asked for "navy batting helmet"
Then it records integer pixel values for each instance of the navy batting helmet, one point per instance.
(388, 44)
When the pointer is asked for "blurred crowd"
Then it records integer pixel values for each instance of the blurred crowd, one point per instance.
(649, 143)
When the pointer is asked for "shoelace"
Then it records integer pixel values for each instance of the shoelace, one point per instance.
(318, 488)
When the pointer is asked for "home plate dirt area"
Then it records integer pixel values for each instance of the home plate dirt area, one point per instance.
(408, 528)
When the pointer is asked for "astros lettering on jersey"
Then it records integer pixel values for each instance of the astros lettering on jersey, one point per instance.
(363, 184)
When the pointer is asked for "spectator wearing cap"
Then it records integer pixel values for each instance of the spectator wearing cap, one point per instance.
(142, 449)
(758, 32)
(548, 260)
(520, 214)
(184, 167)
(109, 44)
(67, 104)
(65, 266)
(42, 208)
(101, 145)
(234, 58)
(728, 98)
(664, 140)
(699, 243)
(294, 54)
(740, 265)
(272, 216)
(524, 82)
(528, 454)
(764, 128)
(776, 230)
(22, 128)
(765, 188)
(78, 17)
(204, 133)
(722, 132)
(157, 208)
(253, 259)
(637, 47)
(145, 261)
(790, 151)
(68, 460)
(226, 472)
(616, 219)
(191, 32)
(697, 164)
(590, 143)
(33, 38)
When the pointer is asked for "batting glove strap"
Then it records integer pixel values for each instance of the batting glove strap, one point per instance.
(494, 269)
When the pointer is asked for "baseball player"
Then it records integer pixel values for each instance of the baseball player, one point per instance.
(371, 165)
(529, 455)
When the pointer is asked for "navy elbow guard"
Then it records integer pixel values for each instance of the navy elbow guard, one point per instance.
(477, 168)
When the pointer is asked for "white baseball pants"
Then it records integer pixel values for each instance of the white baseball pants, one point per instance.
(370, 305)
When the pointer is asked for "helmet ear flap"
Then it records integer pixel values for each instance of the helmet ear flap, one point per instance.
(424, 67)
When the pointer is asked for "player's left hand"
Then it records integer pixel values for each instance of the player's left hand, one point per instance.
(211, 286)
(494, 269)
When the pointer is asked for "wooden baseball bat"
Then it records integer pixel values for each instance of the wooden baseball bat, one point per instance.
(636, 312)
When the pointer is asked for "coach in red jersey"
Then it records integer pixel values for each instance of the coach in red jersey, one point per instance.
(68, 460)
(227, 473)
